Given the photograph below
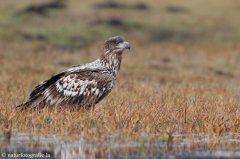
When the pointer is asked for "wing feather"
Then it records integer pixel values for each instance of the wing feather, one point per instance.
(85, 88)
(81, 87)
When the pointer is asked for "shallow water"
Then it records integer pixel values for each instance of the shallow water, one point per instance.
(55, 147)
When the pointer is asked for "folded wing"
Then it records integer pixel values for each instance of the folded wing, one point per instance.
(81, 87)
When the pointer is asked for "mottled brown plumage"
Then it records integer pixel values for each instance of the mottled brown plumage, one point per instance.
(83, 85)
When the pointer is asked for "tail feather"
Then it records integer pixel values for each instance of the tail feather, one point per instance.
(24, 106)
(36, 96)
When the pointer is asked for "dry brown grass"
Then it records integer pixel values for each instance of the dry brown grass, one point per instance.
(158, 105)
(165, 88)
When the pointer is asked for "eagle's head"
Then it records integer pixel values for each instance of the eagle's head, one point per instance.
(115, 44)
(112, 51)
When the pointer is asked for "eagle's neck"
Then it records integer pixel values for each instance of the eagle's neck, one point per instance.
(112, 60)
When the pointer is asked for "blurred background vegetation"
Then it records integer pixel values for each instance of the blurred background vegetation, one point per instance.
(72, 24)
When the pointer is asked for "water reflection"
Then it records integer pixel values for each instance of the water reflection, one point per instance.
(55, 147)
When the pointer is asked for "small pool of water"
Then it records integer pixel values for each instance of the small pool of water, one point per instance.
(23, 146)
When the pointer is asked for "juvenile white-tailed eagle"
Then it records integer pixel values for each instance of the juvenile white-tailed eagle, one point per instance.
(85, 84)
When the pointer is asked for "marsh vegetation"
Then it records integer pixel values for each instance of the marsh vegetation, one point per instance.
(177, 93)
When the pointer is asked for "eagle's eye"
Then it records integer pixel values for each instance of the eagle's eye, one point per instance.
(118, 42)
(115, 43)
